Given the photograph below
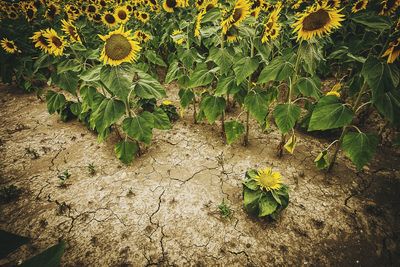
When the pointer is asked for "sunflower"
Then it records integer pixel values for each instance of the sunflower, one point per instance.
(69, 29)
(240, 12)
(232, 35)
(333, 3)
(9, 46)
(182, 3)
(359, 5)
(272, 27)
(122, 14)
(389, 7)
(109, 19)
(12, 14)
(317, 20)
(169, 5)
(55, 42)
(119, 47)
(102, 3)
(268, 180)
(256, 7)
(72, 12)
(393, 51)
(30, 11)
(142, 16)
(141, 36)
(91, 9)
(40, 41)
(197, 26)
(52, 10)
(178, 37)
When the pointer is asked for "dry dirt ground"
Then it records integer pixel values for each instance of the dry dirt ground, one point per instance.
(163, 208)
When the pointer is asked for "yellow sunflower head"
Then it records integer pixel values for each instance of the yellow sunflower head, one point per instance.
(56, 42)
(92, 9)
(232, 35)
(40, 41)
(268, 180)
(9, 46)
(12, 14)
(317, 20)
(178, 37)
(122, 14)
(169, 5)
(141, 36)
(52, 10)
(119, 47)
(272, 27)
(240, 12)
(393, 51)
(72, 12)
(109, 19)
(332, 3)
(142, 16)
(30, 11)
(389, 7)
(197, 26)
(359, 5)
(69, 29)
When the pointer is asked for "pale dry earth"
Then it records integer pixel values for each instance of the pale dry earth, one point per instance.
(163, 208)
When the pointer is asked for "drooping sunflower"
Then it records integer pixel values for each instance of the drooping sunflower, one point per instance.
(40, 41)
(69, 29)
(141, 36)
(268, 180)
(317, 20)
(119, 47)
(272, 26)
(142, 16)
(169, 5)
(232, 35)
(393, 51)
(240, 12)
(109, 19)
(197, 26)
(122, 14)
(359, 5)
(55, 42)
(52, 10)
(9, 46)
(178, 37)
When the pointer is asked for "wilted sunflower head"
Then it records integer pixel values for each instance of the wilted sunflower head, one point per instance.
(69, 29)
(169, 5)
(232, 35)
(109, 19)
(317, 21)
(40, 41)
(9, 46)
(393, 51)
(359, 5)
(56, 42)
(119, 47)
(268, 180)
(122, 14)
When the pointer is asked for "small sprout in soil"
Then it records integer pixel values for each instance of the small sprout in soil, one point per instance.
(62, 208)
(9, 193)
(64, 177)
(224, 209)
(31, 152)
(92, 169)
(130, 192)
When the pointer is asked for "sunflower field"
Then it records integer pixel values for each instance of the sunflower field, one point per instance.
(324, 68)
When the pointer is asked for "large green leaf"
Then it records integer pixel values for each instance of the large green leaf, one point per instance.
(140, 127)
(69, 65)
(186, 97)
(309, 87)
(330, 113)
(245, 67)
(126, 151)
(55, 101)
(117, 79)
(67, 81)
(161, 120)
(51, 257)
(147, 87)
(154, 58)
(108, 112)
(91, 75)
(360, 147)
(222, 58)
(173, 72)
(91, 99)
(279, 69)
(233, 131)
(286, 116)
(373, 21)
(212, 107)
(227, 85)
(257, 103)
(267, 205)
(201, 76)
(10, 242)
(251, 200)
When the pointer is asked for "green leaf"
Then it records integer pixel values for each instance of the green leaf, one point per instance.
(257, 103)
(267, 205)
(173, 72)
(68, 81)
(91, 99)
(161, 120)
(212, 107)
(10, 242)
(373, 21)
(117, 80)
(244, 68)
(360, 147)
(286, 116)
(154, 58)
(51, 257)
(189, 56)
(278, 70)
(91, 75)
(126, 151)
(330, 113)
(251, 184)
(69, 65)
(222, 58)
(147, 87)
(233, 131)
(309, 87)
(227, 85)
(186, 97)
(108, 112)
(251, 199)
(55, 101)
(201, 76)
(140, 127)
(322, 160)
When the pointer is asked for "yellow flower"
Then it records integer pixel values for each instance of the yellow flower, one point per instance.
(52, 10)
(109, 19)
(30, 11)
(119, 47)
(268, 180)
(40, 41)
(169, 5)
(56, 44)
(72, 12)
(335, 91)
(198, 23)
(142, 16)
(359, 5)
(389, 7)
(9, 46)
(317, 20)
(240, 12)
(122, 14)
(393, 51)
(141, 36)
(166, 102)
(272, 27)
(178, 37)
(69, 29)
(332, 3)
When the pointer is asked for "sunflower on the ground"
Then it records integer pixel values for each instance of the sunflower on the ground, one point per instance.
(69, 29)
(393, 51)
(52, 10)
(359, 5)
(55, 42)
(268, 180)
(119, 47)
(317, 21)
(389, 7)
(9, 46)
(272, 27)
(40, 41)
(122, 14)
(141, 36)
(239, 12)
(109, 19)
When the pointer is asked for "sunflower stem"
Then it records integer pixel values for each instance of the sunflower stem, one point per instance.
(194, 111)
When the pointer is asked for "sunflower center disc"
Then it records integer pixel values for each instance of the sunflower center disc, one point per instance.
(316, 20)
(56, 41)
(122, 14)
(110, 18)
(237, 14)
(171, 3)
(9, 45)
(117, 47)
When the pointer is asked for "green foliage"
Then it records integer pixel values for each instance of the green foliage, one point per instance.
(322, 161)
(64, 176)
(224, 209)
(140, 127)
(245, 67)
(107, 113)
(233, 131)
(51, 257)
(279, 69)
(257, 103)
(201, 76)
(286, 116)
(126, 151)
(186, 97)
(55, 101)
(360, 147)
(10, 242)
(161, 119)
(212, 107)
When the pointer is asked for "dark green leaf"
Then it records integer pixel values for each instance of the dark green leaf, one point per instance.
(257, 103)
(140, 127)
(161, 120)
(267, 205)
(201, 76)
(213, 107)
(55, 101)
(244, 67)
(233, 131)
(51, 257)
(126, 151)
(360, 147)
(10, 242)
(186, 97)
(286, 116)
(278, 70)
(154, 58)
(107, 113)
